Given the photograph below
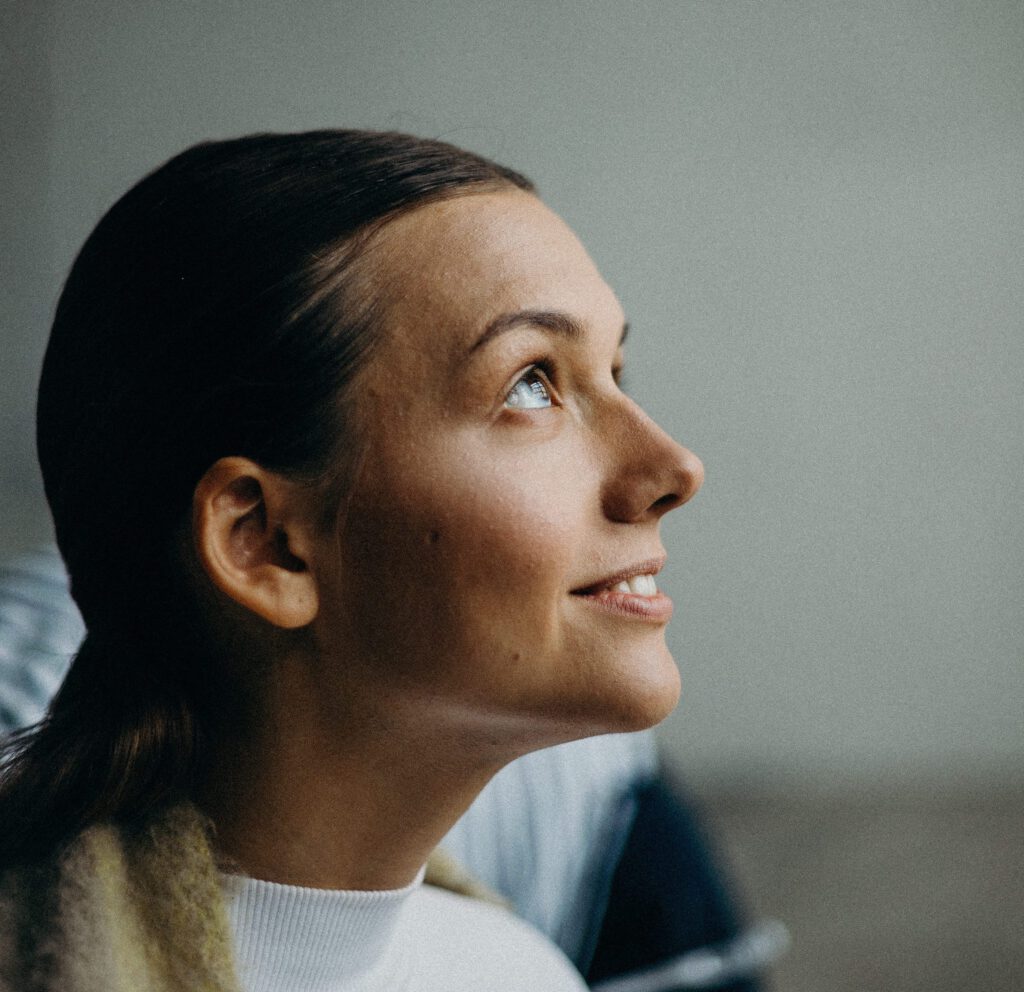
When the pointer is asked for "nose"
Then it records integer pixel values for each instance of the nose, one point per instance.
(650, 473)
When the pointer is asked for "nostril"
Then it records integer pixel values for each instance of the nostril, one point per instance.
(667, 502)
(685, 476)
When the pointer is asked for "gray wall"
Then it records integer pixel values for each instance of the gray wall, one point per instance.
(813, 213)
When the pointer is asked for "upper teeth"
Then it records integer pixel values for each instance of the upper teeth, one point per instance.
(639, 585)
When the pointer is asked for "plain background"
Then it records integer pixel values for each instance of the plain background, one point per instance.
(813, 213)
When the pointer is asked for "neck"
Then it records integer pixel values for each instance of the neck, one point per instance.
(300, 803)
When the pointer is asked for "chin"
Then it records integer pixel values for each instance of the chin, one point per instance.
(651, 699)
(639, 698)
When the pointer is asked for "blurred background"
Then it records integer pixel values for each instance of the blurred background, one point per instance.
(814, 215)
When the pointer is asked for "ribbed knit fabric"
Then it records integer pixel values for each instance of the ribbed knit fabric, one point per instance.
(291, 938)
(416, 939)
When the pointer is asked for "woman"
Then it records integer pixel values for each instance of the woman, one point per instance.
(355, 514)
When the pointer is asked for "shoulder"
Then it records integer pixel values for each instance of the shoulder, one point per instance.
(465, 943)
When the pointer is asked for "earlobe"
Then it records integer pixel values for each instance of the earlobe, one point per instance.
(254, 542)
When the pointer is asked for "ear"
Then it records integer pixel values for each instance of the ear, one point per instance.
(255, 542)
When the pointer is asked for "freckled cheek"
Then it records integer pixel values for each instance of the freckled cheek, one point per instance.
(516, 554)
(482, 540)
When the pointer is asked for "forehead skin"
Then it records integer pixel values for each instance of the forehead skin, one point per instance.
(456, 264)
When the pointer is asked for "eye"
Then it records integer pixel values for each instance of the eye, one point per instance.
(530, 392)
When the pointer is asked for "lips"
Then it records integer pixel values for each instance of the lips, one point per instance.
(630, 593)
(636, 580)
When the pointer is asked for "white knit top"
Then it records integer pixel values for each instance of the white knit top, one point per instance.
(417, 939)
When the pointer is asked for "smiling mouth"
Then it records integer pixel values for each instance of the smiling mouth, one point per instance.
(638, 585)
(637, 580)
(631, 593)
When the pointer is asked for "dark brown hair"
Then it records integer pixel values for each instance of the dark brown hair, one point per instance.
(210, 313)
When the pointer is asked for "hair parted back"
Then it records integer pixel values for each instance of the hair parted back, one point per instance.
(212, 312)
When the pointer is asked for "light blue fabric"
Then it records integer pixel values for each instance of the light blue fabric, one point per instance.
(544, 829)
(540, 833)
(40, 630)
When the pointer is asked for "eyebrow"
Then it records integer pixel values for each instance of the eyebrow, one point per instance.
(555, 321)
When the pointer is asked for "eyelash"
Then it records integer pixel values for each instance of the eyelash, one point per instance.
(545, 370)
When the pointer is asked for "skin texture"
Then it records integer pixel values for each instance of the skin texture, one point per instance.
(439, 631)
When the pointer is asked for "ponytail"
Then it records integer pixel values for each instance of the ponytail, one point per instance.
(115, 743)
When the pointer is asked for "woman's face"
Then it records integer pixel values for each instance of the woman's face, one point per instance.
(494, 563)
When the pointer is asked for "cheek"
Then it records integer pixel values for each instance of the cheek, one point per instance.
(479, 556)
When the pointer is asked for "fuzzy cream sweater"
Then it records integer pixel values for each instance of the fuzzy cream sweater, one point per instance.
(132, 912)
(119, 913)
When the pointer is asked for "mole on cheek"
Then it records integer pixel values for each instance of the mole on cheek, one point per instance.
(433, 536)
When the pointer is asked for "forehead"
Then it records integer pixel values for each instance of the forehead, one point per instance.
(445, 270)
